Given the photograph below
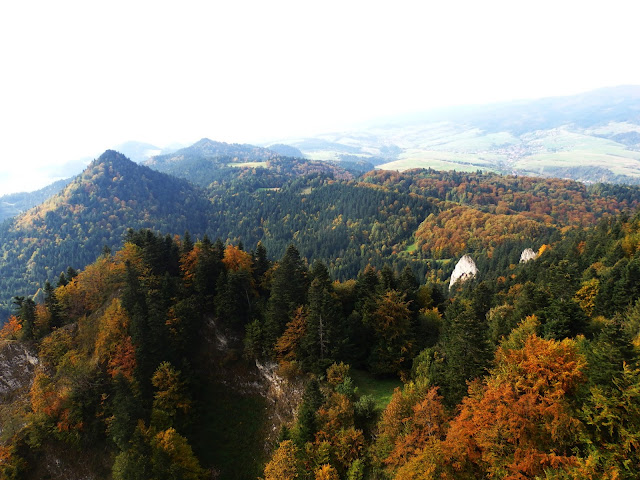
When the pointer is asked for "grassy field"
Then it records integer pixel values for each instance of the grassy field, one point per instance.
(455, 145)
(411, 248)
(619, 165)
(407, 163)
(380, 389)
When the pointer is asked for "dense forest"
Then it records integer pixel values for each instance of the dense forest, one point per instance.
(527, 371)
(422, 218)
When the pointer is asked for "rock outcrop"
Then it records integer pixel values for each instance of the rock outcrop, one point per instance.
(465, 270)
(527, 255)
(17, 369)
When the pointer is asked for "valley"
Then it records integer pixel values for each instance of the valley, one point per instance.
(288, 311)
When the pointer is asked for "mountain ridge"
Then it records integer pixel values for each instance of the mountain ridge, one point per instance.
(95, 210)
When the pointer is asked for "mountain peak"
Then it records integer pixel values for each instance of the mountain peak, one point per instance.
(111, 156)
(110, 162)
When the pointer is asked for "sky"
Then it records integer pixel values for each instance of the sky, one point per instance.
(78, 77)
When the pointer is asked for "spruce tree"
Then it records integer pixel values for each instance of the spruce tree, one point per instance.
(288, 291)
(466, 350)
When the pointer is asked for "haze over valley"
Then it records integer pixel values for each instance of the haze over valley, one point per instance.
(319, 240)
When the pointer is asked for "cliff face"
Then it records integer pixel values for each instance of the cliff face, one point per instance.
(17, 369)
(527, 255)
(465, 270)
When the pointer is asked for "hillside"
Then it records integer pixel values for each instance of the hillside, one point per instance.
(422, 219)
(15, 203)
(591, 137)
(212, 150)
(135, 365)
(95, 210)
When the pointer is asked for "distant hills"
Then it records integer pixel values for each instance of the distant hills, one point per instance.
(15, 203)
(349, 220)
(591, 137)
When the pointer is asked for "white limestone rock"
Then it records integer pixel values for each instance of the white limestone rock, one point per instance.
(527, 255)
(465, 270)
(17, 368)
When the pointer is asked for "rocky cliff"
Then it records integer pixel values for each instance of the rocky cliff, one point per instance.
(465, 270)
(527, 255)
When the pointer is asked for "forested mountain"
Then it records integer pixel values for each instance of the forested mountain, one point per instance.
(94, 211)
(417, 218)
(15, 203)
(591, 137)
(211, 150)
(527, 371)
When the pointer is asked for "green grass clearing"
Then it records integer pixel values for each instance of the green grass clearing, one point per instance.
(411, 248)
(380, 389)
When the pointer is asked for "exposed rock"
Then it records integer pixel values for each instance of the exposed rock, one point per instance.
(527, 255)
(17, 368)
(465, 270)
(17, 371)
(282, 395)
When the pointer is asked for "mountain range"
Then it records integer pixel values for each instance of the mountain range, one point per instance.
(591, 137)
(170, 344)
(421, 218)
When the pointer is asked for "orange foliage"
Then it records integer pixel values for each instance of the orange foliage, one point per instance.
(113, 344)
(235, 259)
(11, 329)
(283, 463)
(288, 343)
(189, 264)
(456, 229)
(86, 292)
(123, 360)
(519, 422)
(425, 426)
(50, 402)
(335, 414)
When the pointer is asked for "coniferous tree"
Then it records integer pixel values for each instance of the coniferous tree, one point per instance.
(307, 425)
(27, 314)
(135, 302)
(288, 291)
(187, 243)
(466, 350)
(322, 330)
(51, 302)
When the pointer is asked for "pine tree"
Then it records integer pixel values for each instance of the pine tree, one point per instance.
(51, 302)
(27, 315)
(466, 350)
(288, 291)
(321, 333)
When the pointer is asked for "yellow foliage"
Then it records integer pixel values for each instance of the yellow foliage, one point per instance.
(283, 463)
(185, 464)
(326, 472)
(112, 329)
(586, 295)
(336, 373)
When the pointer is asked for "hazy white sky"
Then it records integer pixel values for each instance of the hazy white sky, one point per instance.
(77, 77)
